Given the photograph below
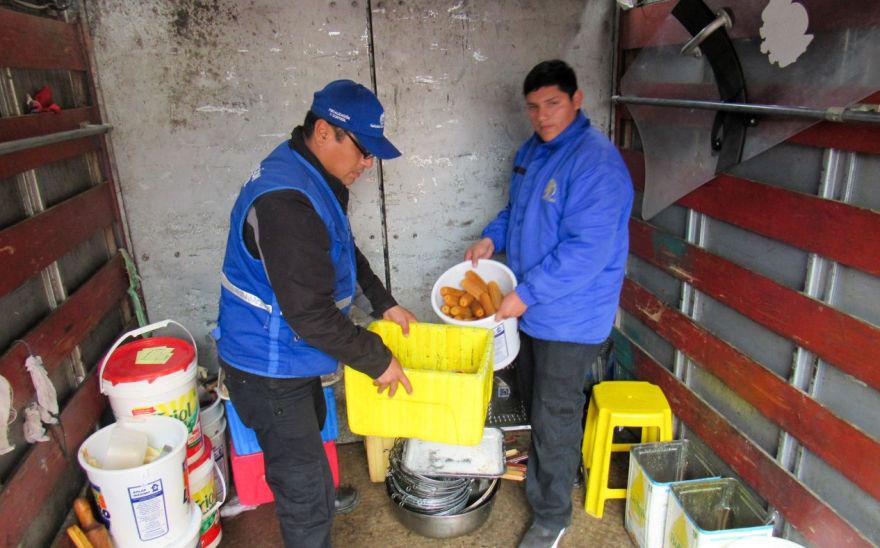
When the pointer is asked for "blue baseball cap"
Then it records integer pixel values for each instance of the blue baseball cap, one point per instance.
(353, 107)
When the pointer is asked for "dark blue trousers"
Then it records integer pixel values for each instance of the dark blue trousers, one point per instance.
(287, 415)
(550, 378)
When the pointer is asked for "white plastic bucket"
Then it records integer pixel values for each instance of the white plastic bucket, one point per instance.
(209, 492)
(147, 505)
(157, 388)
(216, 432)
(212, 411)
(190, 537)
(506, 334)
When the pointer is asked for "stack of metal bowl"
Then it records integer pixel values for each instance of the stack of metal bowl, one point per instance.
(438, 507)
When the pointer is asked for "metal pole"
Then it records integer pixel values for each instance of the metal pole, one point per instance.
(33, 142)
(831, 114)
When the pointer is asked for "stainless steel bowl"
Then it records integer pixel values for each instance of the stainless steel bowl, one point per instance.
(447, 526)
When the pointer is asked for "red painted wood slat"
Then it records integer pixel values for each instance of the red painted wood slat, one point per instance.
(55, 337)
(852, 345)
(31, 245)
(32, 42)
(35, 478)
(838, 231)
(33, 125)
(24, 160)
(834, 440)
(812, 516)
(851, 137)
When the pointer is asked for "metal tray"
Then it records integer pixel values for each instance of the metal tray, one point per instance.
(484, 460)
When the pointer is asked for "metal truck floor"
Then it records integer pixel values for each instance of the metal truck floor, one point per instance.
(373, 524)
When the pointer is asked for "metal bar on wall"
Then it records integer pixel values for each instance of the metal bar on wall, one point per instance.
(830, 114)
(27, 143)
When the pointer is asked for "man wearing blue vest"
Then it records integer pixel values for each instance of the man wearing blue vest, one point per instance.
(289, 276)
(565, 234)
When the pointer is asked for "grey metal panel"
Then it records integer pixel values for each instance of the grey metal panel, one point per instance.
(100, 339)
(849, 398)
(858, 507)
(769, 349)
(21, 310)
(198, 94)
(661, 284)
(865, 184)
(716, 464)
(785, 165)
(650, 341)
(451, 75)
(672, 219)
(775, 260)
(735, 409)
(11, 208)
(858, 294)
(77, 265)
(61, 180)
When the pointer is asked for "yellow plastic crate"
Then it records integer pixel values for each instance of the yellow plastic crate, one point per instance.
(450, 369)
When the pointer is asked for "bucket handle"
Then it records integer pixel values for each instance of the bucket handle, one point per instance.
(218, 474)
(135, 333)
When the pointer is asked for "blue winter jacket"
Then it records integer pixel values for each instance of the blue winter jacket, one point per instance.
(565, 232)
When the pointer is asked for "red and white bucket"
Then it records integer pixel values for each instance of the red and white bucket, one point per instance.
(204, 475)
(155, 376)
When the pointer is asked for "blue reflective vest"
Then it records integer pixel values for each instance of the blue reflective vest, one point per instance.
(253, 335)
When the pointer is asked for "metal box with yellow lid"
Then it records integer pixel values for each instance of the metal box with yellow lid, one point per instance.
(450, 369)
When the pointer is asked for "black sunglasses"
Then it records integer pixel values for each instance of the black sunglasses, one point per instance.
(367, 155)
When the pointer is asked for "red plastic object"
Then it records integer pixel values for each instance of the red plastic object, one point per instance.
(249, 474)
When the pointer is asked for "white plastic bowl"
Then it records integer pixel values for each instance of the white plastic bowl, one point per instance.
(506, 334)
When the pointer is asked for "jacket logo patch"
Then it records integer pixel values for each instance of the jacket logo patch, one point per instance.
(550, 192)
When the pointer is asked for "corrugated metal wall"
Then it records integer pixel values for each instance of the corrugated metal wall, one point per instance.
(764, 337)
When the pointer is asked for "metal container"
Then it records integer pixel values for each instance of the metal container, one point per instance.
(428, 458)
(714, 513)
(448, 526)
(653, 468)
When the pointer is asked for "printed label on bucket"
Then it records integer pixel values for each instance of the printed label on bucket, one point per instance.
(500, 344)
(636, 509)
(185, 409)
(205, 497)
(148, 506)
(208, 521)
(678, 535)
(102, 504)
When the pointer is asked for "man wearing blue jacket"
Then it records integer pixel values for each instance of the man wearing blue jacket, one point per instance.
(565, 234)
(290, 273)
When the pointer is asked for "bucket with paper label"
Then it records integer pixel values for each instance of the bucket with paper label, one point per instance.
(505, 333)
(209, 492)
(147, 504)
(154, 376)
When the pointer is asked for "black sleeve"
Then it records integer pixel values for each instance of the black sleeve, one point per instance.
(295, 249)
(372, 286)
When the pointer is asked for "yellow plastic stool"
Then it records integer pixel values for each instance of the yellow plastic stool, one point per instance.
(615, 404)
